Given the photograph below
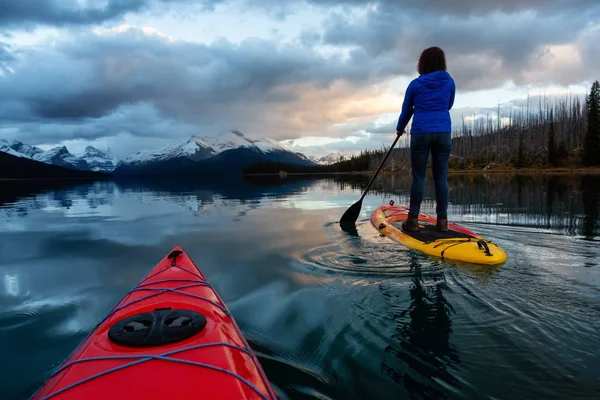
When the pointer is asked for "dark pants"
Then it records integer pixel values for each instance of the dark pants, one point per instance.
(440, 145)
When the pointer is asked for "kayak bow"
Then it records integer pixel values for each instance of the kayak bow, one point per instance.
(172, 336)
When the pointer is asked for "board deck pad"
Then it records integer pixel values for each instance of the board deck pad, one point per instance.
(428, 232)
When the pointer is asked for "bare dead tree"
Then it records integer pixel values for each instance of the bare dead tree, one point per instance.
(481, 141)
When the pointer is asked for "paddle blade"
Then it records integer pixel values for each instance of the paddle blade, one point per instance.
(351, 214)
(350, 229)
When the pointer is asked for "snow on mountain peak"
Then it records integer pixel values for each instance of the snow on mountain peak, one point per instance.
(98, 160)
(235, 139)
(92, 158)
(59, 155)
(92, 150)
(198, 148)
(194, 149)
(332, 158)
(19, 149)
(227, 141)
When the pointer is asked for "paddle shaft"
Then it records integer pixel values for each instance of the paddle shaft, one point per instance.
(381, 166)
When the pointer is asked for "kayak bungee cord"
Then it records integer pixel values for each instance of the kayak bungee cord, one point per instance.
(143, 286)
(144, 358)
(174, 290)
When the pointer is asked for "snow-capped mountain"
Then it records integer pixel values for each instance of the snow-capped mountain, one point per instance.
(201, 154)
(57, 156)
(200, 148)
(235, 139)
(19, 149)
(229, 152)
(98, 160)
(21, 167)
(331, 158)
(60, 156)
(194, 149)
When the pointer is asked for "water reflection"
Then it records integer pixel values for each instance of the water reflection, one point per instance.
(590, 188)
(331, 314)
(421, 353)
(11, 285)
(560, 203)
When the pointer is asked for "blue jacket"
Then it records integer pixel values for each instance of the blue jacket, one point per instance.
(430, 98)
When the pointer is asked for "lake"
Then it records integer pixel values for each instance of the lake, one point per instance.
(330, 315)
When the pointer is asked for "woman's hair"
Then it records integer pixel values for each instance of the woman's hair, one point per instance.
(432, 59)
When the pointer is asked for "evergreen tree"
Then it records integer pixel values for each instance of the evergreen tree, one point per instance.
(591, 144)
(552, 155)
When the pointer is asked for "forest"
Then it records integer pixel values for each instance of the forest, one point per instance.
(564, 132)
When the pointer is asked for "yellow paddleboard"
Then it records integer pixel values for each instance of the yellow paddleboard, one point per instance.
(457, 244)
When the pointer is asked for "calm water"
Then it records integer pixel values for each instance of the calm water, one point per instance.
(330, 315)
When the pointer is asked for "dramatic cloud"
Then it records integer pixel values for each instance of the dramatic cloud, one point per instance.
(471, 7)
(255, 83)
(28, 13)
(5, 54)
(100, 77)
(5, 57)
(483, 50)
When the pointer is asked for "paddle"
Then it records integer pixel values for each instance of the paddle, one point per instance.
(351, 215)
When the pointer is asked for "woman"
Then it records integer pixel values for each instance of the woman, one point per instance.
(429, 98)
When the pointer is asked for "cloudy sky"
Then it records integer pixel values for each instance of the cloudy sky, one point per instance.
(318, 75)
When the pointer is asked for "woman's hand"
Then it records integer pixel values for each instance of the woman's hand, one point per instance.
(400, 133)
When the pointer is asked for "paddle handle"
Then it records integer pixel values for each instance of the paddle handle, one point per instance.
(381, 166)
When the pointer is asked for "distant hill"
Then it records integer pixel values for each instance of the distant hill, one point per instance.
(16, 167)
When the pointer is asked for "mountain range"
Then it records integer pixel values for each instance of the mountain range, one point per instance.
(332, 158)
(226, 153)
(91, 160)
(229, 152)
(17, 167)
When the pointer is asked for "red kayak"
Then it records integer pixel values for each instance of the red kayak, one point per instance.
(171, 337)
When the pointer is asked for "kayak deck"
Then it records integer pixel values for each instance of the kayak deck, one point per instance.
(172, 336)
(457, 244)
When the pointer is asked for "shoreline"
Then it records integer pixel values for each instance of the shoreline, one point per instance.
(451, 171)
(52, 179)
(454, 171)
(556, 170)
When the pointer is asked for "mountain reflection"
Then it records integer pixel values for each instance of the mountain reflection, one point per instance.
(563, 203)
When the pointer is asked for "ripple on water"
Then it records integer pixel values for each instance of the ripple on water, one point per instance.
(292, 374)
(41, 328)
(15, 320)
(365, 252)
(35, 316)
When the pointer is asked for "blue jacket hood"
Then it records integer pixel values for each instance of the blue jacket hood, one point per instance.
(434, 79)
(429, 99)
